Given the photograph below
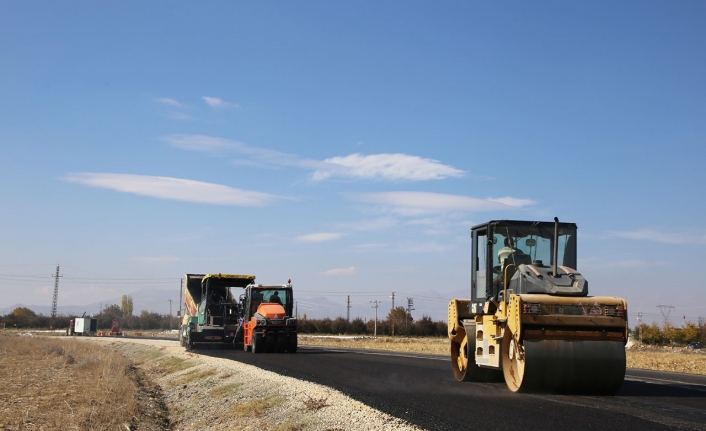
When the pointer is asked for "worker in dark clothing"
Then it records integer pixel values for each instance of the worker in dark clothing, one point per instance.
(275, 298)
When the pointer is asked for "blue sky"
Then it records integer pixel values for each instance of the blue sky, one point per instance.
(348, 146)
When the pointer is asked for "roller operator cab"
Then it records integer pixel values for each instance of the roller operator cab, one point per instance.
(530, 315)
(268, 322)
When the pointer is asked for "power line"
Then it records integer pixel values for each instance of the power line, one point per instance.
(665, 310)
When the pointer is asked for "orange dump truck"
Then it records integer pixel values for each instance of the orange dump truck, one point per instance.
(268, 323)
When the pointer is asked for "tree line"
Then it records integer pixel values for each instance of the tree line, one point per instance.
(398, 322)
(24, 318)
(668, 334)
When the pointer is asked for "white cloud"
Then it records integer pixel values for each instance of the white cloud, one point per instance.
(341, 271)
(319, 237)
(370, 245)
(386, 166)
(202, 143)
(411, 203)
(215, 102)
(375, 166)
(513, 202)
(661, 237)
(168, 101)
(173, 188)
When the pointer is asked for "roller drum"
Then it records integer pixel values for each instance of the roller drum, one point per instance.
(565, 366)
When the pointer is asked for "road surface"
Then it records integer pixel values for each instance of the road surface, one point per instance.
(421, 389)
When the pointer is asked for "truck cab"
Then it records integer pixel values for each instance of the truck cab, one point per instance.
(268, 322)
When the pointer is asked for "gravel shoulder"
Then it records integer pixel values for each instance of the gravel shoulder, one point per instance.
(207, 393)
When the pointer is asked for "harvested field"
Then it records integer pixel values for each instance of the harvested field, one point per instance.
(55, 383)
(675, 359)
(427, 345)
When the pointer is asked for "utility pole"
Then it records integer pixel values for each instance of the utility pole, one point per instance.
(170, 314)
(348, 309)
(56, 294)
(410, 303)
(296, 309)
(392, 321)
(639, 325)
(375, 333)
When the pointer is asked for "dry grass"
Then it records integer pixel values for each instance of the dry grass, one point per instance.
(428, 345)
(50, 383)
(225, 390)
(679, 360)
(254, 408)
(195, 374)
(171, 365)
(313, 404)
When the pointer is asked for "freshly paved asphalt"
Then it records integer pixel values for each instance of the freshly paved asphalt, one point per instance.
(422, 390)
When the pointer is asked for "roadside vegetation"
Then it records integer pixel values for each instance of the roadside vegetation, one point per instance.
(24, 318)
(397, 322)
(51, 383)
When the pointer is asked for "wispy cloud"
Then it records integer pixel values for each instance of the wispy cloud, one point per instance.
(370, 245)
(388, 167)
(202, 143)
(662, 237)
(168, 101)
(319, 237)
(341, 271)
(173, 188)
(428, 247)
(371, 224)
(411, 203)
(215, 102)
(391, 167)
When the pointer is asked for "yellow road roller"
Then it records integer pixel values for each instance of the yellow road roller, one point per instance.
(530, 315)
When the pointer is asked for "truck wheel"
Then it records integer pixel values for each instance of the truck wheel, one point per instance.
(292, 342)
(282, 342)
(270, 343)
(258, 344)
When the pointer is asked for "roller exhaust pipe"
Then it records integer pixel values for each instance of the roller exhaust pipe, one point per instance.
(556, 248)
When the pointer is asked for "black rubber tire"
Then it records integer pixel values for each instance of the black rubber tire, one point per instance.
(292, 343)
(282, 342)
(258, 343)
(270, 343)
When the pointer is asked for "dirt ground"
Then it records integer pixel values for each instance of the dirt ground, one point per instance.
(51, 383)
